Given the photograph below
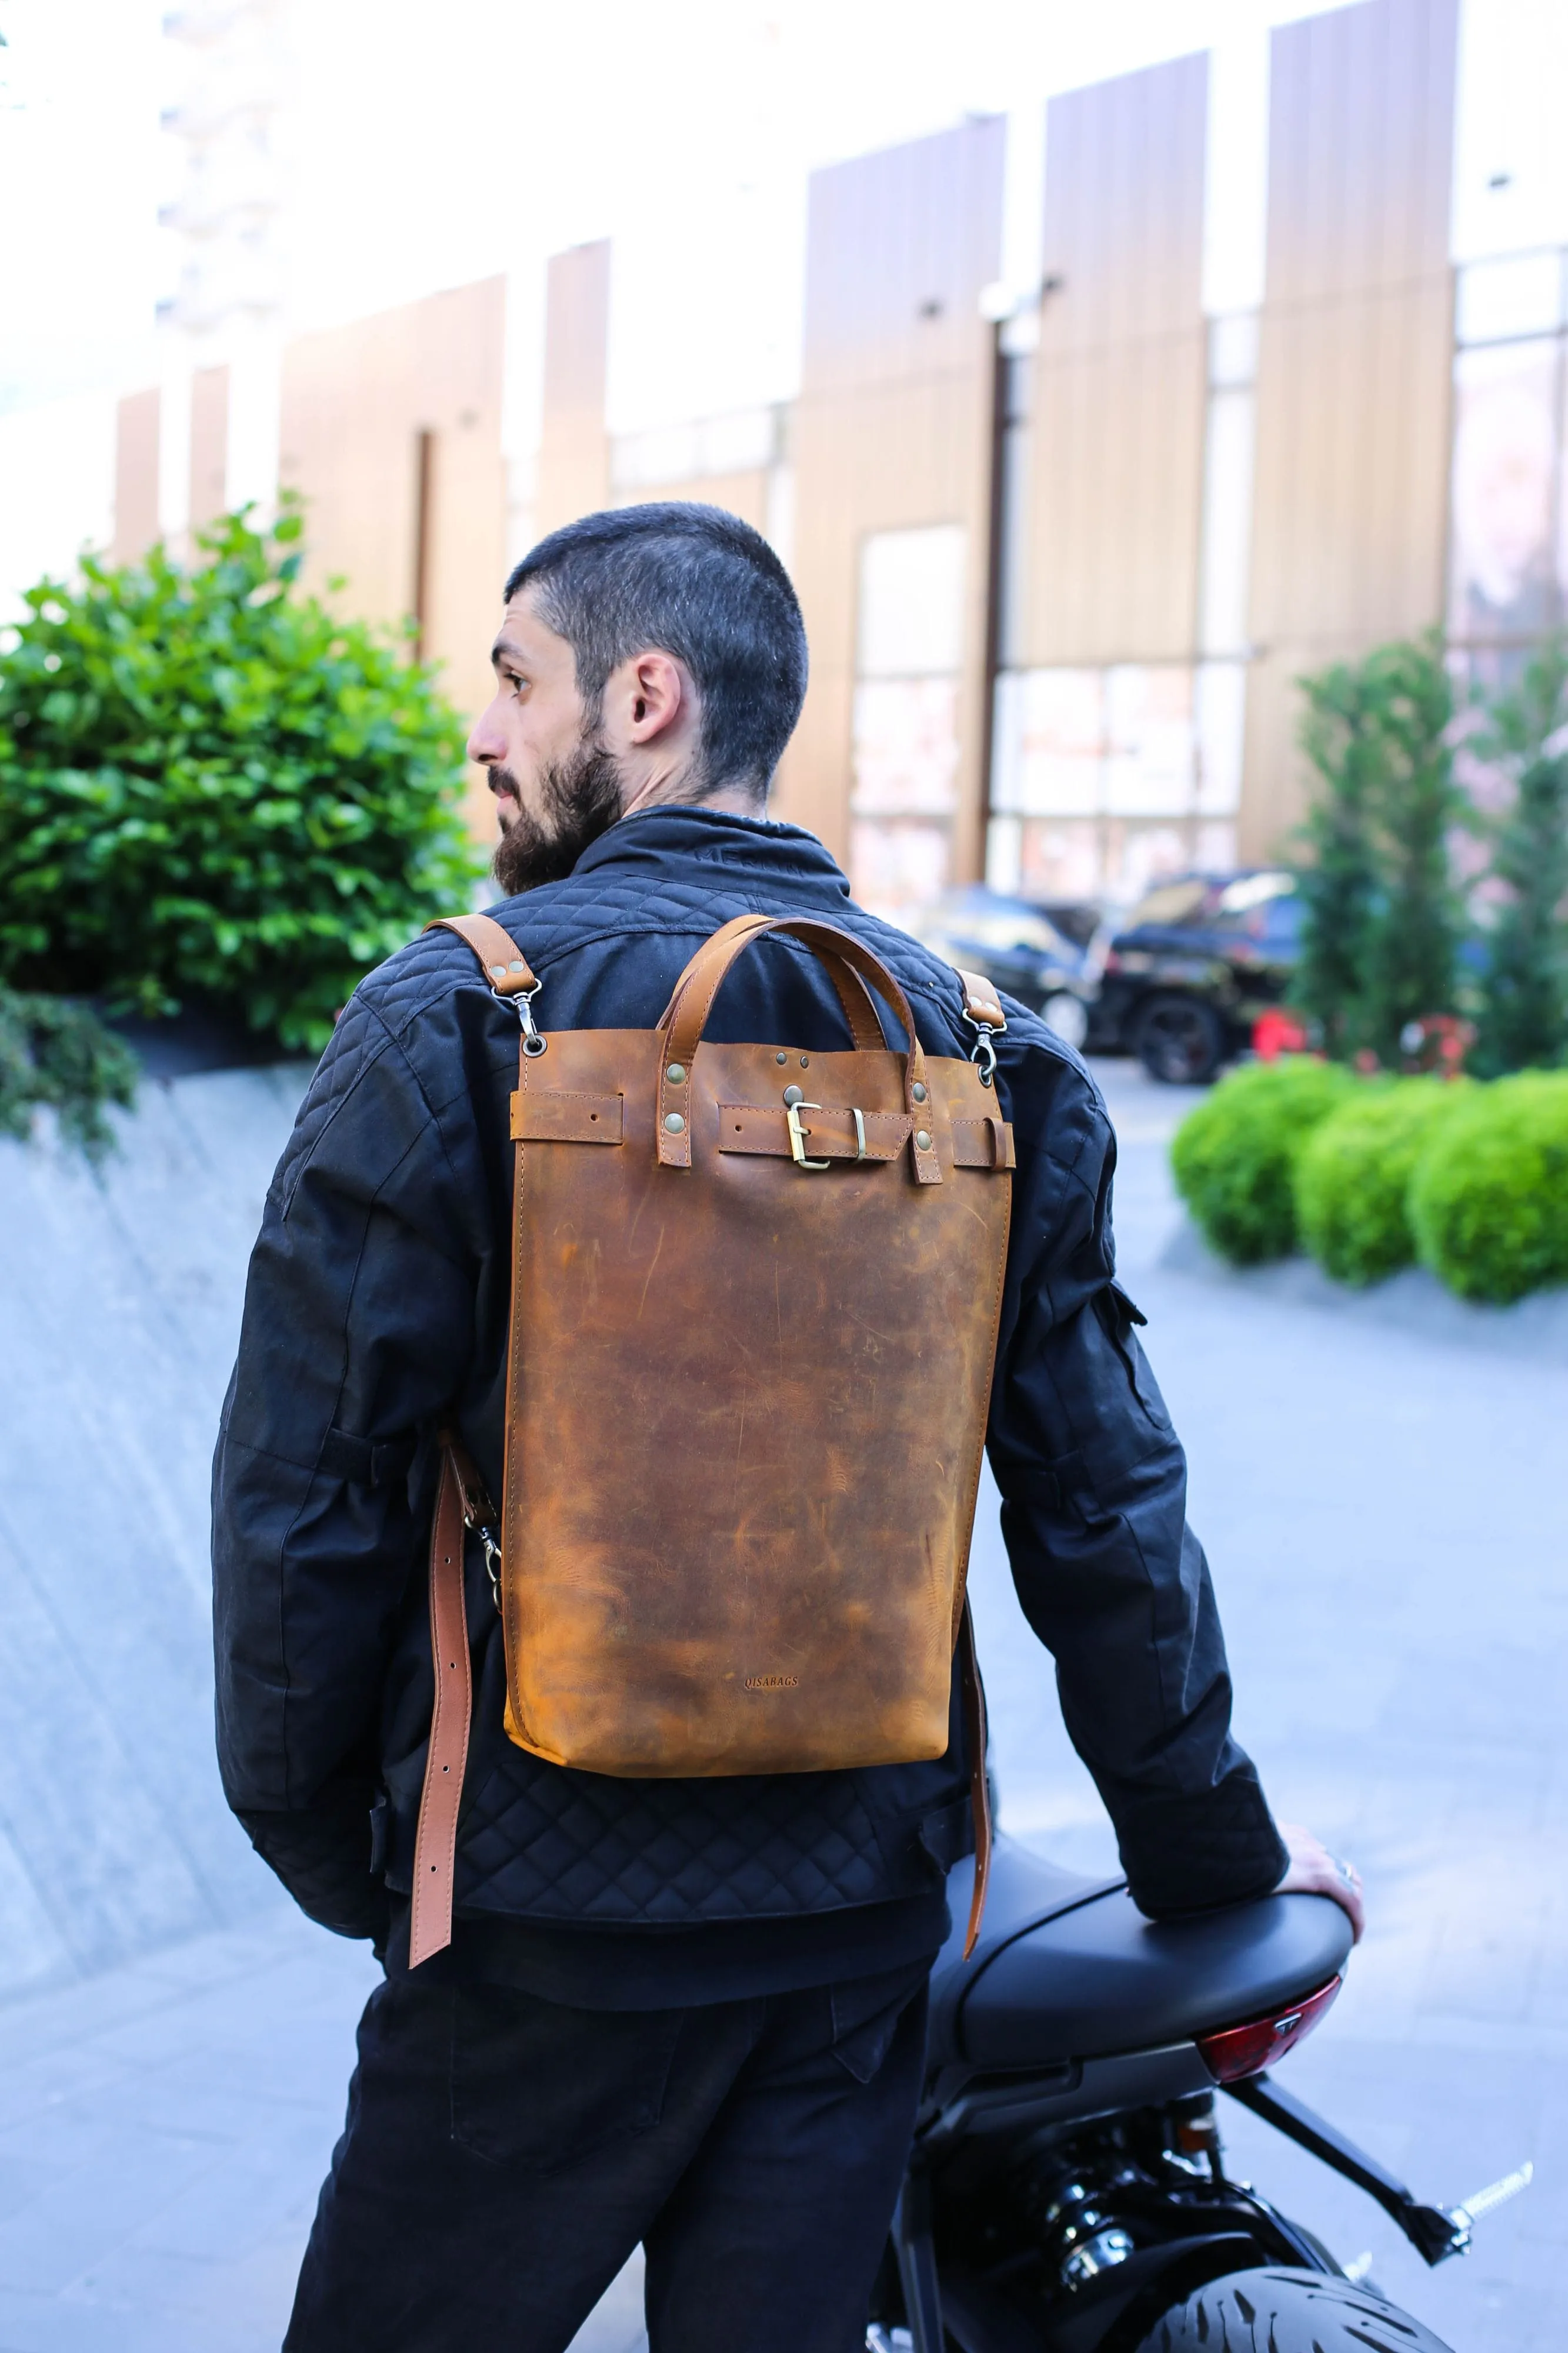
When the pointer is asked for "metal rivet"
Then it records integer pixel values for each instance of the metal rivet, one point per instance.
(922, 1141)
(676, 1074)
(674, 1123)
(794, 1094)
(805, 1062)
(781, 1058)
(498, 972)
(917, 1090)
(517, 965)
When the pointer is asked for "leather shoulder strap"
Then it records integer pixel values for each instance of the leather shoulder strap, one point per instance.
(981, 1005)
(499, 958)
(972, 1694)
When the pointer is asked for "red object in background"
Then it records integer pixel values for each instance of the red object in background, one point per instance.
(1239, 2051)
(1276, 1032)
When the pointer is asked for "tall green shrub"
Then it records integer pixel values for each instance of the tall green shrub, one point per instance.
(1382, 918)
(209, 782)
(1489, 1201)
(1353, 1177)
(1234, 1157)
(1522, 1020)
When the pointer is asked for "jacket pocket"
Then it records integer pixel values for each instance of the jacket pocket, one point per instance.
(539, 2088)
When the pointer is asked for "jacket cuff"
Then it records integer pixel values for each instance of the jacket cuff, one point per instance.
(1185, 1854)
(323, 1860)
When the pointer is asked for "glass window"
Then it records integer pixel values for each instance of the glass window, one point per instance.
(906, 747)
(1150, 765)
(1503, 582)
(1519, 295)
(911, 602)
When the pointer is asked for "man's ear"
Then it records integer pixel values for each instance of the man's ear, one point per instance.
(657, 696)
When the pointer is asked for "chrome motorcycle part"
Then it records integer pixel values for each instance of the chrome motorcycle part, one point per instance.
(1101, 2254)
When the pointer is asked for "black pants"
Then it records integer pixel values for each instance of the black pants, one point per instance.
(503, 2156)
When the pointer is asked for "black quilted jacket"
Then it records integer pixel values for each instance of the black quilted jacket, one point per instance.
(378, 1300)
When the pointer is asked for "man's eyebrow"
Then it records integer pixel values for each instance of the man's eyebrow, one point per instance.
(505, 650)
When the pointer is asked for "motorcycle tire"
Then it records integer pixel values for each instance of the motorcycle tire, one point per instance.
(1280, 2311)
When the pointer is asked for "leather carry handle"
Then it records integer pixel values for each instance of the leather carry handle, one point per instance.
(686, 1017)
(506, 968)
(859, 1007)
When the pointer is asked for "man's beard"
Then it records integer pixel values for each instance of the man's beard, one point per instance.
(579, 800)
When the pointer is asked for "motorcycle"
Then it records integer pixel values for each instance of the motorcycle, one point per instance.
(1067, 2190)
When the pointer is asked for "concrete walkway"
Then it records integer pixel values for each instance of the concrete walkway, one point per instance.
(1386, 1517)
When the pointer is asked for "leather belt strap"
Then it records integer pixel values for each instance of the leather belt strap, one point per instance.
(973, 1695)
(461, 1503)
(435, 1845)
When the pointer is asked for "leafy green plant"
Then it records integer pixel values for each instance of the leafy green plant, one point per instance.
(211, 783)
(57, 1053)
(1353, 1177)
(1523, 1018)
(1381, 921)
(1339, 880)
(1488, 1198)
(1234, 1157)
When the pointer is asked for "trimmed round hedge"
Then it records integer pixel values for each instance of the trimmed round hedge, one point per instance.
(1234, 1156)
(1488, 1198)
(1352, 1178)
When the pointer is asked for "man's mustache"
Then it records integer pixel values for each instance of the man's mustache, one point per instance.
(504, 785)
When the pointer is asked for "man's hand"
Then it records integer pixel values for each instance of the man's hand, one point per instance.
(1313, 1871)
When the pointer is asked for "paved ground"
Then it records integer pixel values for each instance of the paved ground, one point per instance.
(1386, 1517)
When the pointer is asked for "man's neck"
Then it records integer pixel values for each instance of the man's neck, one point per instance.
(682, 791)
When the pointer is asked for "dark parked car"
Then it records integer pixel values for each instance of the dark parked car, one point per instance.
(1046, 957)
(1189, 971)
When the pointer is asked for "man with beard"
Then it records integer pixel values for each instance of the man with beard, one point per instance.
(684, 2013)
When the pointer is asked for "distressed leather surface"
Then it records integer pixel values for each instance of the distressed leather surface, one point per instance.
(746, 1415)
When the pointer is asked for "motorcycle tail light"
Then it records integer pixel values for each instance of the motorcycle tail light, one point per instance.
(1239, 2051)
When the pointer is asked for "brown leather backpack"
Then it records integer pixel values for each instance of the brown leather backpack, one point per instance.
(755, 1296)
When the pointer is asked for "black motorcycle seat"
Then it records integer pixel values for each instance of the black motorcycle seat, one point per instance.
(1070, 1969)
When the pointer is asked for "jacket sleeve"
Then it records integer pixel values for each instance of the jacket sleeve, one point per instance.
(1093, 1484)
(355, 1338)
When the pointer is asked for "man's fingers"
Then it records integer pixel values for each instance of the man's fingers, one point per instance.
(1313, 1871)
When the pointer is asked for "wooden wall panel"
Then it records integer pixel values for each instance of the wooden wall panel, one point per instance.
(355, 400)
(1116, 460)
(574, 447)
(892, 428)
(135, 475)
(209, 445)
(744, 493)
(1354, 365)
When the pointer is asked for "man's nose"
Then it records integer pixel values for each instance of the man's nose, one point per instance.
(485, 745)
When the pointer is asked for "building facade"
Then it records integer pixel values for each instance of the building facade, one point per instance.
(1065, 543)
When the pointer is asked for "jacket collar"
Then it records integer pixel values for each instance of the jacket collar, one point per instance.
(741, 846)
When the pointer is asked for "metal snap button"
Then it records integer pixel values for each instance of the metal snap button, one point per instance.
(917, 1090)
(781, 1058)
(676, 1074)
(674, 1123)
(794, 1094)
(923, 1140)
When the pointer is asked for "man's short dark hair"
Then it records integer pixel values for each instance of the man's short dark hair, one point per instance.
(693, 581)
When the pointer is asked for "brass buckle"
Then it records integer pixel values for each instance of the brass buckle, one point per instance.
(797, 1135)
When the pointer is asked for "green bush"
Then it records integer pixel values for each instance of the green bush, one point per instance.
(1353, 1176)
(1489, 1201)
(1234, 1157)
(58, 1053)
(210, 782)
